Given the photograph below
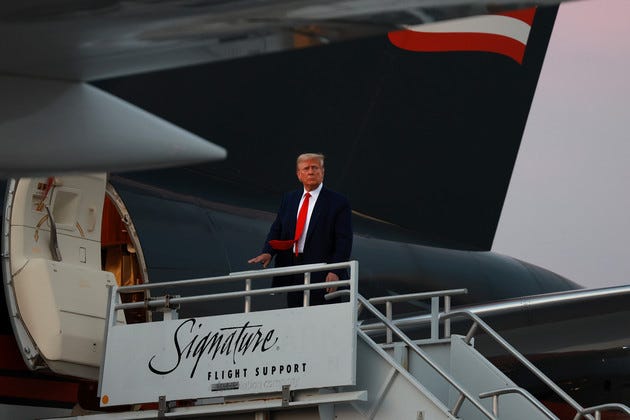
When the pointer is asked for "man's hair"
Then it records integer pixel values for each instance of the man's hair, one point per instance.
(309, 156)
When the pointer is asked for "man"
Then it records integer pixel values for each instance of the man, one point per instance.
(326, 235)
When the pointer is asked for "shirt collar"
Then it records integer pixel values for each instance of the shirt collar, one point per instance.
(315, 192)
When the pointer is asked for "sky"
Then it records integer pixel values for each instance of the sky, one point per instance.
(568, 203)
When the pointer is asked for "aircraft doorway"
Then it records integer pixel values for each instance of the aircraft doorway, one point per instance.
(121, 253)
(65, 240)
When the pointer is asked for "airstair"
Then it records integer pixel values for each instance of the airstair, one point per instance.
(312, 362)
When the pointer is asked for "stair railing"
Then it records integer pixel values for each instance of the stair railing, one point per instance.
(242, 276)
(364, 303)
(515, 390)
(479, 323)
(435, 308)
(598, 409)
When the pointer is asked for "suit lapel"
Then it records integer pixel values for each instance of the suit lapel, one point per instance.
(292, 208)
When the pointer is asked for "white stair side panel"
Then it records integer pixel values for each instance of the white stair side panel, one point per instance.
(392, 392)
(440, 354)
(476, 374)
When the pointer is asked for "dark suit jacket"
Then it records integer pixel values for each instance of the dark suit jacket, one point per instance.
(329, 235)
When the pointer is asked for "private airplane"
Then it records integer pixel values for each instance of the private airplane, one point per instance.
(110, 179)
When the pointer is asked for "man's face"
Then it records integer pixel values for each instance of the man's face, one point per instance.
(310, 173)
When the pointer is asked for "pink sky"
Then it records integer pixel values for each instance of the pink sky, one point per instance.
(568, 204)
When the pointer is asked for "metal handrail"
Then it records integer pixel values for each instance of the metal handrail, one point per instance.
(518, 304)
(512, 390)
(241, 275)
(416, 296)
(597, 410)
(454, 411)
(246, 276)
(161, 301)
(435, 308)
(478, 322)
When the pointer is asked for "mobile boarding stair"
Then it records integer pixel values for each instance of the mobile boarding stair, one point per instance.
(312, 362)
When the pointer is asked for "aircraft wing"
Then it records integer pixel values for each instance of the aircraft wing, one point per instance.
(50, 122)
(89, 40)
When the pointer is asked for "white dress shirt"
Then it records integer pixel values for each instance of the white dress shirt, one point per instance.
(311, 205)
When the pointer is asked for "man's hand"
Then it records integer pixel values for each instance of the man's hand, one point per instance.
(263, 258)
(331, 277)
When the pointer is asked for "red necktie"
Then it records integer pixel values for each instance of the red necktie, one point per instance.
(299, 229)
(301, 221)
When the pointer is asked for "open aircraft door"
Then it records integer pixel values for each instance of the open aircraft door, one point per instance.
(54, 282)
